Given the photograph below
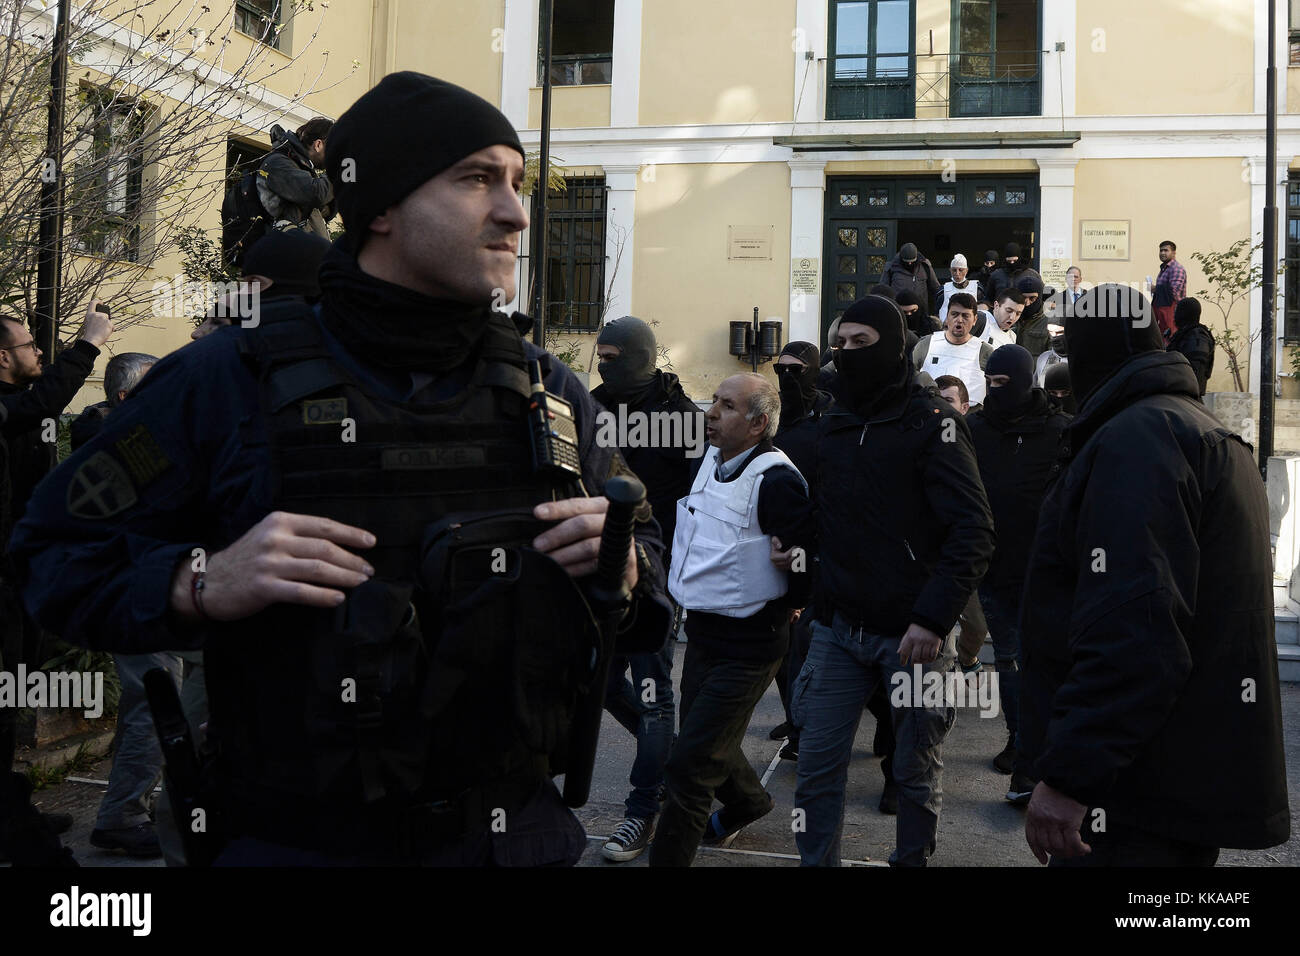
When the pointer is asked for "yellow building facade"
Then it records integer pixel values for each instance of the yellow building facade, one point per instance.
(738, 154)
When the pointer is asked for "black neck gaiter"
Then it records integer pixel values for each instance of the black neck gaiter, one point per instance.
(390, 326)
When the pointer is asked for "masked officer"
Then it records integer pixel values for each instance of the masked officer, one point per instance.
(356, 533)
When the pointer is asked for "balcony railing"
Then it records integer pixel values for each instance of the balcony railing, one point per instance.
(1005, 83)
(582, 70)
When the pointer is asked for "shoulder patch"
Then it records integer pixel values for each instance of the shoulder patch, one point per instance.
(324, 411)
(142, 455)
(100, 488)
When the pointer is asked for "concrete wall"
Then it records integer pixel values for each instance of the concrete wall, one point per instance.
(682, 275)
(1190, 57)
(1201, 204)
(722, 61)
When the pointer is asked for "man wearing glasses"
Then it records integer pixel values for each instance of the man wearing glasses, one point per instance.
(29, 395)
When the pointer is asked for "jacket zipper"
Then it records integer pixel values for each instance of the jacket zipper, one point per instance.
(864, 434)
(1020, 440)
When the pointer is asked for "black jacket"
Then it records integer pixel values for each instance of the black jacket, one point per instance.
(1150, 683)
(1004, 277)
(28, 406)
(921, 278)
(784, 511)
(904, 532)
(87, 425)
(799, 440)
(1196, 343)
(290, 189)
(1018, 461)
(665, 472)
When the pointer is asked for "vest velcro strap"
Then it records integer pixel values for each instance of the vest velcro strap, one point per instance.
(297, 381)
(501, 375)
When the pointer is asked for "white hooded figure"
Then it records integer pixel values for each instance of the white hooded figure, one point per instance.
(958, 283)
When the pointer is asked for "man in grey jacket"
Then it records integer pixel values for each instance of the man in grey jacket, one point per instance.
(289, 186)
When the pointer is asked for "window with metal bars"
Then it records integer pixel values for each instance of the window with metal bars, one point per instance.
(107, 178)
(260, 19)
(575, 254)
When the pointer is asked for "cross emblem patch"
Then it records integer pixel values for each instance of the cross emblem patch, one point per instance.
(100, 488)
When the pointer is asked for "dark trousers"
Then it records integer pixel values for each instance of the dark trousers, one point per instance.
(718, 696)
(792, 664)
(1125, 846)
(644, 707)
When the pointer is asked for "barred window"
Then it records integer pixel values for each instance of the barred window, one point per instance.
(575, 254)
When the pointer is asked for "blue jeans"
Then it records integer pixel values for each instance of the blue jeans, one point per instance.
(1002, 611)
(843, 668)
(644, 706)
(137, 758)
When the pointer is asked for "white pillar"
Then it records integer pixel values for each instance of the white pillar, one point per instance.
(807, 44)
(1056, 207)
(620, 222)
(519, 60)
(1060, 25)
(625, 91)
(807, 213)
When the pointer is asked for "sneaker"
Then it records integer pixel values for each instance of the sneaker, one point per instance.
(629, 840)
(791, 750)
(780, 731)
(1005, 761)
(140, 840)
(972, 668)
(722, 831)
(889, 799)
(1021, 788)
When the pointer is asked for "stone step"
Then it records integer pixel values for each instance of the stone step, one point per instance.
(1288, 663)
(1286, 625)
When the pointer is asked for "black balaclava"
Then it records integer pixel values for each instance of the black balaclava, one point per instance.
(907, 255)
(1030, 283)
(918, 321)
(868, 375)
(1061, 346)
(1012, 249)
(1010, 401)
(798, 383)
(991, 255)
(1187, 313)
(629, 375)
(291, 260)
(1108, 326)
(1057, 378)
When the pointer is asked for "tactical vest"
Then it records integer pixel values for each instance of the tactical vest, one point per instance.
(455, 668)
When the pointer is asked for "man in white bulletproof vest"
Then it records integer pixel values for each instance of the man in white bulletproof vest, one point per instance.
(739, 569)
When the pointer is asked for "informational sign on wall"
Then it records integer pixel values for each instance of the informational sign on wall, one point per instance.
(1104, 239)
(805, 275)
(749, 242)
(1053, 273)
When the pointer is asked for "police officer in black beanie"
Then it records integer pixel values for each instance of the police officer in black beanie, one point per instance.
(1019, 438)
(1150, 609)
(904, 535)
(380, 692)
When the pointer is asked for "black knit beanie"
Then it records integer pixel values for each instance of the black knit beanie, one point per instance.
(398, 136)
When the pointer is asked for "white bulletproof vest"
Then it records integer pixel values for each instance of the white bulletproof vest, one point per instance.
(721, 559)
(994, 335)
(963, 361)
(949, 290)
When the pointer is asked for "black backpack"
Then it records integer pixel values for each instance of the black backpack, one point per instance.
(244, 220)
